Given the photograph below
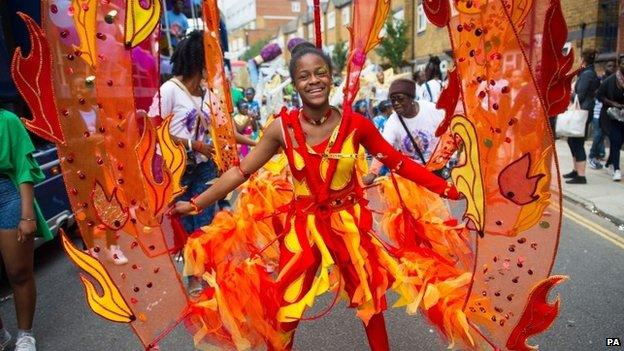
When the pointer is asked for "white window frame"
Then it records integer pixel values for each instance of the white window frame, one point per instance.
(421, 19)
(346, 15)
(399, 15)
(331, 20)
(295, 6)
(311, 31)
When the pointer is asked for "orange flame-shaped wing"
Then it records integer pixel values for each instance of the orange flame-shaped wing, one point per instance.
(369, 17)
(220, 102)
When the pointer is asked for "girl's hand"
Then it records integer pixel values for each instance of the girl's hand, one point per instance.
(182, 208)
(26, 230)
(203, 148)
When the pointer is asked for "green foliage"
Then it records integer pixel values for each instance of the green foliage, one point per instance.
(254, 49)
(339, 56)
(394, 43)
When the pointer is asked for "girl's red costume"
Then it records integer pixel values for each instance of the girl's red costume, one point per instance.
(327, 224)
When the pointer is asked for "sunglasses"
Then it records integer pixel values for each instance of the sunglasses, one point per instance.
(398, 98)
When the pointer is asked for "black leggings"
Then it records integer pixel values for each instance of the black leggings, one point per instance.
(616, 136)
(577, 146)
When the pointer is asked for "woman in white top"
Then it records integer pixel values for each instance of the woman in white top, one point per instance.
(431, 89)
(185, 97)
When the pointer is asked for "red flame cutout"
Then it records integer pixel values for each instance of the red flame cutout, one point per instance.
(537, 316)
(33, 78)
(448, 101)
(515, 183)
(438, 11)
(554, 82)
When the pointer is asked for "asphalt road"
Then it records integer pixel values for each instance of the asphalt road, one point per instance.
(592, 307)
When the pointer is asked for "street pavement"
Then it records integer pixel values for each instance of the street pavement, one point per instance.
(601, 194)
(591, 252)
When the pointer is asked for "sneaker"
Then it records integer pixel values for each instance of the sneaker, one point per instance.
(594, 164)
(617, 175)
(115, 255)
(570, 175)
(5, 340)
(609, 169)
(25, 343)
(577, 180)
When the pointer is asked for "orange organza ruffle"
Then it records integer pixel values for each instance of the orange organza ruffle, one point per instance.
(242, 307)
(435, 275)
(234, 257)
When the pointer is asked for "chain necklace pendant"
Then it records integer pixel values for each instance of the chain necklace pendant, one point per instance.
(320, 121)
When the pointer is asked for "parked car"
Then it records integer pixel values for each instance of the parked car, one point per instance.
(51, 194)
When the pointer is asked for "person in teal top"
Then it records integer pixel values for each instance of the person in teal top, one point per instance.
(20, 221)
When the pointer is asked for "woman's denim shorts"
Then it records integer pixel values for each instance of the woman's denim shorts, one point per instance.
(10, 204)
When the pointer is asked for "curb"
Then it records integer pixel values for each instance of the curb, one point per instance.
(590, 206)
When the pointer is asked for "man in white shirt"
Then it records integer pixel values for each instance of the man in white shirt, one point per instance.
(411, 128)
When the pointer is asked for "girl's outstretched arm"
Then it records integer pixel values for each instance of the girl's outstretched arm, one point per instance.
(372, 140)
(234, 177)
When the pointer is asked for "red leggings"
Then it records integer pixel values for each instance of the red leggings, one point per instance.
(375, 333)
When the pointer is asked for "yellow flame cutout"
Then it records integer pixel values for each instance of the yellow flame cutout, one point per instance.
(158, 193)
(140, 22)
(85, 16)
(174, 156)
(468, 178)
(531, 213)
(110, 304)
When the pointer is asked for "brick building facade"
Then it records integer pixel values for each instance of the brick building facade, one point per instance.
(591, 24)
(249, 21)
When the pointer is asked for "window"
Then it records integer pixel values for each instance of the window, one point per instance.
(331, 20)
(346, 15)
(295, 6)
(421, 19)
(399, 15)
(311, 31)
